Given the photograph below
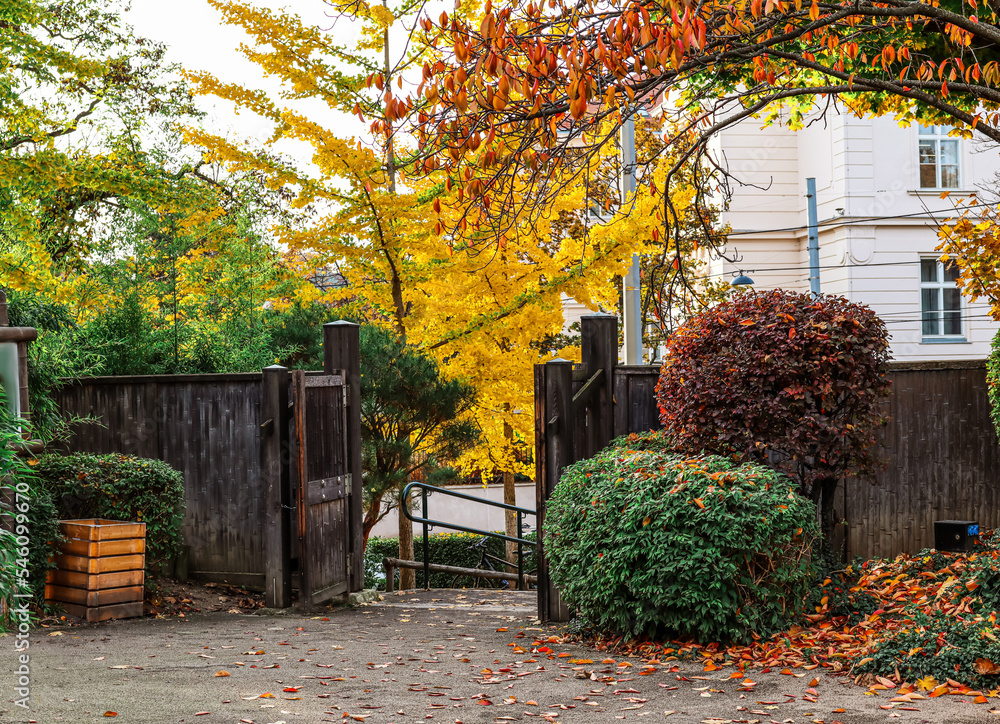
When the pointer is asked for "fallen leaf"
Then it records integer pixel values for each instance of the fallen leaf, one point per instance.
(986, 667)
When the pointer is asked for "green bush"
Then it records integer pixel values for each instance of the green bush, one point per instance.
(43, 530)
(450, 549)
(32, 516)
(945, 647)
(645, 541)
(119, 487)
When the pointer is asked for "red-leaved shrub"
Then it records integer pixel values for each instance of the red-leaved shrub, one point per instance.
(783, 378)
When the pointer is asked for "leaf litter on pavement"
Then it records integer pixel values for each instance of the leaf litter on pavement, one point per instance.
(927, 587)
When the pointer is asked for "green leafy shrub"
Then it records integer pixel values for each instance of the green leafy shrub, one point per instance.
(649, 542)
(945, 647)
(119, 487)
(840, 585)
(43, 531)
(450, 549)
(993, 381)
(32, 516)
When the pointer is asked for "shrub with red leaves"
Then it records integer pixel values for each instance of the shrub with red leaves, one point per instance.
(783, 378)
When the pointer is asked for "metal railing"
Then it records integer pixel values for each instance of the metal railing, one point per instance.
(520, 540)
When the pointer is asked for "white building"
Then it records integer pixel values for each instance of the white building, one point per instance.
(879, 202)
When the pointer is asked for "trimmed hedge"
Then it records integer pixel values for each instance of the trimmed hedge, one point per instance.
(450, 549)
(43, 527)
(120, 487)
(33, 517)
(645, 541)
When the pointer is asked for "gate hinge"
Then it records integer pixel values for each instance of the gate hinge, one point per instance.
(347, 395)
(347, 484)
(348, 566)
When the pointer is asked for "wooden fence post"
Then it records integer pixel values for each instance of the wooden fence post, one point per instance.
(599, 351)
(274, 466)
(342, 351)
(555, 450)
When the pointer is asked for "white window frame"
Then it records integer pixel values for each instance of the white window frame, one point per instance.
(935, 135)
(939, 285)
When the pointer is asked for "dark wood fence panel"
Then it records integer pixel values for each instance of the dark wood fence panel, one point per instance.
(635, 399)
(207, 427)
(943, 462)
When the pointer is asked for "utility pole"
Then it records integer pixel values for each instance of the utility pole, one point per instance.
(631, 300)
(813, 237)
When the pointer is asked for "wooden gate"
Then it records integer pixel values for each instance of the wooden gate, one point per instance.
(311, 459)
(323, 485)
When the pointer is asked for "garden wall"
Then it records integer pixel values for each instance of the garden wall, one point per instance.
(941, 449)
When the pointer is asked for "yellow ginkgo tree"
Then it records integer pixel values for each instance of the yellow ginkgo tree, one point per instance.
(461, 278)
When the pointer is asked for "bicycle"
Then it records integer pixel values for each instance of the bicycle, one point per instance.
(486, 561)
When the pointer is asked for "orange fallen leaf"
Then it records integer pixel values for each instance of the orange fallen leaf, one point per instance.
(222, 673)
(111, 713)
(986, 667)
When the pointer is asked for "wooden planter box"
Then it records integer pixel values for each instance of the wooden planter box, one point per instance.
(99, 569)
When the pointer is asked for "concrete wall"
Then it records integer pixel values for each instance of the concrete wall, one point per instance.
(462, 512)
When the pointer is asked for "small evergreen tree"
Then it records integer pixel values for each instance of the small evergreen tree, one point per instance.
(413, 422)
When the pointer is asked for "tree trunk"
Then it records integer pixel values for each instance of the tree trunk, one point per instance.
(370, 520)
(510, 498)
(407, 576)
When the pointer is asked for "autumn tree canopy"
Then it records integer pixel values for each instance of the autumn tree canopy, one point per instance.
(543, 82)
(478, 287)
(86, 112)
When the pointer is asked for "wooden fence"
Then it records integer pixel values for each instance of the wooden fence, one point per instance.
(941, 451)
(234, 441)
(208, 428)
(943, 462)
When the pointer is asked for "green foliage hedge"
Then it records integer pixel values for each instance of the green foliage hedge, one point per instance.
(993, 381)
(120, 487)
(43, 530)
(936, 641)
(450, 549)
(646, 541)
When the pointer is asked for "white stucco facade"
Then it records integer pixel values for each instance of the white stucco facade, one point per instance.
(866, 170)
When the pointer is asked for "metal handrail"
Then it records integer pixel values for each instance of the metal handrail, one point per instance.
(424, 487)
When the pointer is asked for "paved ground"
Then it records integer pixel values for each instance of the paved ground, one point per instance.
(444, 657)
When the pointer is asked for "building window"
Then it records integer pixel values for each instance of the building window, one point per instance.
(940, 300)
(938, 158)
